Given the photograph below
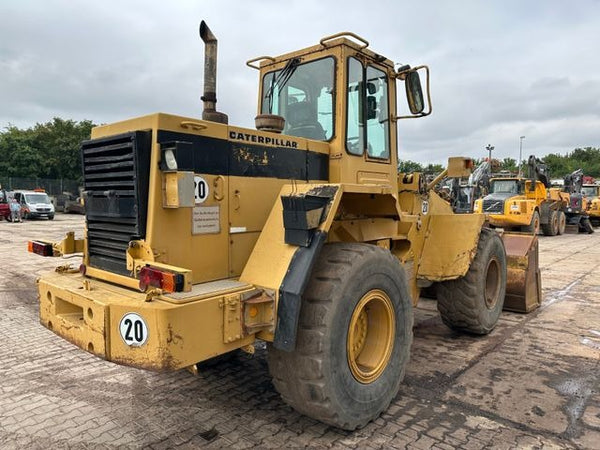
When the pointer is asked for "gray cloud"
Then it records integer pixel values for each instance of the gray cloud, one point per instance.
(499, 70)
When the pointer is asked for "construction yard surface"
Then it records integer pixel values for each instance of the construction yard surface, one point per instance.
(532, 383)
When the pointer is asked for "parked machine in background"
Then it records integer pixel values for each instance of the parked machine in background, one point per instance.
(576, 204)
(592, 193)
(524, 204)
(203, 237)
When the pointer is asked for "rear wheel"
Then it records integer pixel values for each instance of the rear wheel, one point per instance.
(474, 302)
(551, 228)
(562, 222)
(534, 225)
(353, 339)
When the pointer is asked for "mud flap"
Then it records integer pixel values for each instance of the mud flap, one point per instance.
(523, 279)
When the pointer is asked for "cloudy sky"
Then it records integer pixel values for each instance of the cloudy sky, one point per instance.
(499, 70)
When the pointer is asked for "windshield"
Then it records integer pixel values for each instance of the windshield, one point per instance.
(590, 191)
(303, 95)
(504, 186)
(37, 198)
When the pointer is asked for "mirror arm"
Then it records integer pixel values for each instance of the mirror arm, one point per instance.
(429, 107)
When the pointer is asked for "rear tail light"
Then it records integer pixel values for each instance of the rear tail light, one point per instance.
(40, 248)
(167, 281)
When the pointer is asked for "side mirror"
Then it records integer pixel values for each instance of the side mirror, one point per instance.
(414, 92)
(419, 103)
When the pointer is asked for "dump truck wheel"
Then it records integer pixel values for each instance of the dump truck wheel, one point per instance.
(353, 339)
(534, 225)
(551, 228)
(474, 302)
(562, 222)
(586, 225)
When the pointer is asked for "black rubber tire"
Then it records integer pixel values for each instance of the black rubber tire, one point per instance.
(562, 222)
(51, 217)
(462, 302)
(534, 225)
(315, 378)
(586, 226)
(551, 228)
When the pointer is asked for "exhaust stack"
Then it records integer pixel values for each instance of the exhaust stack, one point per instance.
(210, 77)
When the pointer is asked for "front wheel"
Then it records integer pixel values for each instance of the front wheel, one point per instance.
(353, 339)
(474, 302)
(534, 225)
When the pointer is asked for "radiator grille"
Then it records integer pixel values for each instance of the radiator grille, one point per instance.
(115, 178)
(493, 206)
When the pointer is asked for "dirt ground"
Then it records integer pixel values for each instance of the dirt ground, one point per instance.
(532, 383)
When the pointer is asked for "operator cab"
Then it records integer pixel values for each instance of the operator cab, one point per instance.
(507, 186)
(590, 191)
(342, 93)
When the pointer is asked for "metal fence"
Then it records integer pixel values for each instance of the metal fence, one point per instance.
(51, 186)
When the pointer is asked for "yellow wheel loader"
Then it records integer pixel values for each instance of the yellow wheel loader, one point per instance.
(202, 237)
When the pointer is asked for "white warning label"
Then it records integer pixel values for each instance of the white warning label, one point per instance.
(206, 220)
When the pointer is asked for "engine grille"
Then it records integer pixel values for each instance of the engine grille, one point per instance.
(493, 206)
(115, 178)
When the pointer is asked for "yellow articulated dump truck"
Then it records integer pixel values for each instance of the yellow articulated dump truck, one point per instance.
(202, 237)
(525, 204)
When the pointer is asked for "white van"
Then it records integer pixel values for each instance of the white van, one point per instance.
(34, 204)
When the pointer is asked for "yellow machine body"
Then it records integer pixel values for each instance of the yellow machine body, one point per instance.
(214, 210)
(592, 198)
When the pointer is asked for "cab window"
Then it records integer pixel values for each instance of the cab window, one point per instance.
(367, 125)
(303, 95)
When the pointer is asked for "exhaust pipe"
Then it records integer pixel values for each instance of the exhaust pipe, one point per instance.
(210, 77)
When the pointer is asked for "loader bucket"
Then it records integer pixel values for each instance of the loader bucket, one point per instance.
(523, 280)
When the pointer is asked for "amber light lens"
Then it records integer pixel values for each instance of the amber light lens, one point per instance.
(167, 281)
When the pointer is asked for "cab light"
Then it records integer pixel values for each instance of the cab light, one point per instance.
(167, 281)
(40, 248)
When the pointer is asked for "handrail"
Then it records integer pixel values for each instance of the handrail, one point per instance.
(258, 58)
(345, 33)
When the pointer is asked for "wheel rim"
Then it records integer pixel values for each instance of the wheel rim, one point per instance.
(371, 336)
(536, 224)
(492, 283)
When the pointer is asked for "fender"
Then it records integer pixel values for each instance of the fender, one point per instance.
(283, 257)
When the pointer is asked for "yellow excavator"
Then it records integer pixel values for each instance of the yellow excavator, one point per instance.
(203, 237)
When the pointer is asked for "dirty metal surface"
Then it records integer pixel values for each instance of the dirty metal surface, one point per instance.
(532, 383)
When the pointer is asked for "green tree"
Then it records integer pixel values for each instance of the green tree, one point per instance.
(409, 166)
(509, 164)
(48, 150)
(433, 169)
